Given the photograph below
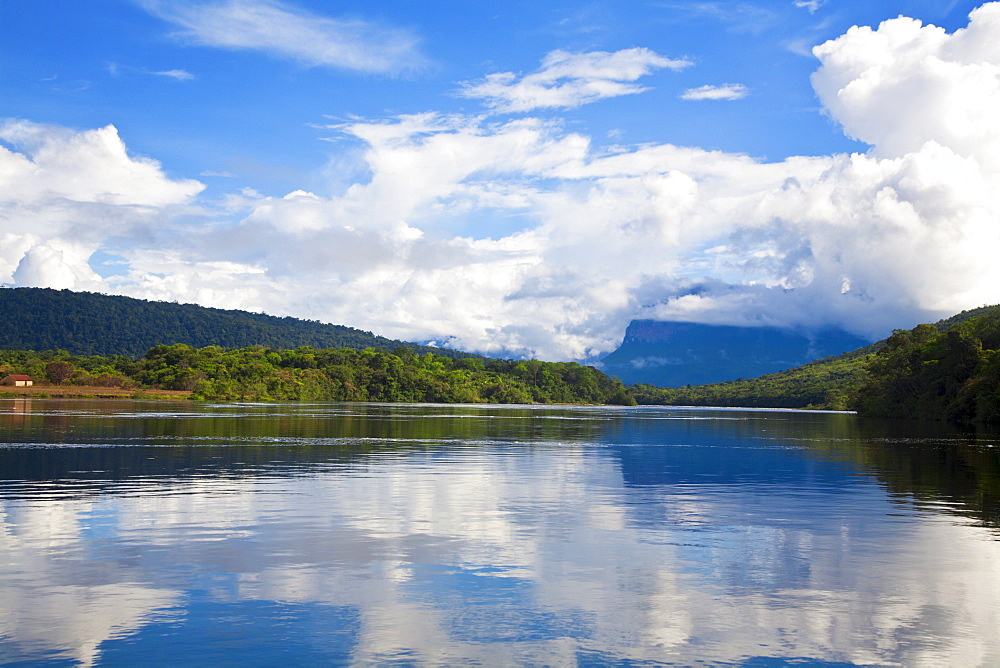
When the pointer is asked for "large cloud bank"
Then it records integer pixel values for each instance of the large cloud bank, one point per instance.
(508, 234)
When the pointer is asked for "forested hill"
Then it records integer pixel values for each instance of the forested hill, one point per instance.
(85, 323)
(933, 374)
(946, 371)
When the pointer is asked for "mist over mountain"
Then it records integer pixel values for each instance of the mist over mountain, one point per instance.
(674, 354)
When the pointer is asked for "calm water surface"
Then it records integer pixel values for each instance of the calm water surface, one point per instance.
(162, 533)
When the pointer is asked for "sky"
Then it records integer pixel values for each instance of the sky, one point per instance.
(511, 178)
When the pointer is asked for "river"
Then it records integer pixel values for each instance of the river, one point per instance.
(190, 533)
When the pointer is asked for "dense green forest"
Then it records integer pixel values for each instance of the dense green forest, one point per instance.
(931, 374)
(312, 374)
(86, 323)
(946, 371)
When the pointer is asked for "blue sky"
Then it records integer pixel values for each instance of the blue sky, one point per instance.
(515, 178)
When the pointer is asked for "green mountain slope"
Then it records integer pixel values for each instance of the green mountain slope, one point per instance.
(949, 370)
(827, 383)
(933, 374)
(86, 323)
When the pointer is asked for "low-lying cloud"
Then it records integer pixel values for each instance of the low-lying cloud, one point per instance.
(517, 237)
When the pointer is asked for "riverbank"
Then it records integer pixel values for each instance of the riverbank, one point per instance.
(90, 392)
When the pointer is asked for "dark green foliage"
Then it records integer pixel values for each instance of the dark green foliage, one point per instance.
(946, 371)
(328, 374)
(959, 318)
(933, 374)
(86, 323)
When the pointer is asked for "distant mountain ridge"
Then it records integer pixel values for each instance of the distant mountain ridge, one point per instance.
(674, 354)
(86, 323)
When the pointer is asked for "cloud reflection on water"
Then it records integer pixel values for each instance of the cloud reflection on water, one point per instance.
(497, 553)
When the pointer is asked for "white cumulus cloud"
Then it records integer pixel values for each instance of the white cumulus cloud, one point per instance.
(518, 237)
(64, 193)
(903, 84)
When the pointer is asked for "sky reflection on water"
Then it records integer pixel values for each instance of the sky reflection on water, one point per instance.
(444, 535)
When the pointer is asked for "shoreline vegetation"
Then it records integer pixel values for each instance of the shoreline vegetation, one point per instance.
(89, 392)
(949, 371)
(309, 374)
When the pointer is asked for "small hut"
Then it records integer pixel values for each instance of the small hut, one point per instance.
(17, 380)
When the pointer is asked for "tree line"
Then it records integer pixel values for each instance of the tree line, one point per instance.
(947, 371)
(327, 374)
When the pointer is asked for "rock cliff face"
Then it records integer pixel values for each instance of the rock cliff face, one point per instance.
(674, 354)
